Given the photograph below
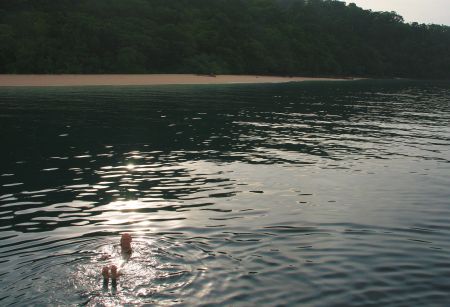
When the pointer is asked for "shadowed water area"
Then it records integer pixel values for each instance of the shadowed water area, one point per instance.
(330, 193)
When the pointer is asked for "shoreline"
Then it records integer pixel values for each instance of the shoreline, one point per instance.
(15, 80)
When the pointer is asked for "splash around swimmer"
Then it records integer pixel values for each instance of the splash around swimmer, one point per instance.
(112, 271)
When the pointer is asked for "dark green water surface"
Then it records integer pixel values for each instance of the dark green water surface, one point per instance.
(315, 194)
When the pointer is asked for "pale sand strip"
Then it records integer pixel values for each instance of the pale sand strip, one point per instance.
(84, 80)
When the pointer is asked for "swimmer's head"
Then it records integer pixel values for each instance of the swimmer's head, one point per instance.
(125, 242)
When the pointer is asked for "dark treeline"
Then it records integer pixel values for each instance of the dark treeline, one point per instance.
(283, 37)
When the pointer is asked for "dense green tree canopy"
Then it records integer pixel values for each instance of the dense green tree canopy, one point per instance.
(287, 37)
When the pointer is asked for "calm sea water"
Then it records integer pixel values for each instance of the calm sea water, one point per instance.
(320, 194)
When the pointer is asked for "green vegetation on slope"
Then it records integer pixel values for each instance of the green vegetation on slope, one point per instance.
(283, 37)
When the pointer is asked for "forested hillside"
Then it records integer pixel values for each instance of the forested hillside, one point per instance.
(282, 37)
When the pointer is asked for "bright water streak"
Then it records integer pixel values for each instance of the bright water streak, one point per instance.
(314, 193)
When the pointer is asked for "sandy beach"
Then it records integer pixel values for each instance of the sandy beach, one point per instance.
(155, 79)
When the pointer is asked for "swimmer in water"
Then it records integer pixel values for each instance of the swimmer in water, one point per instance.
(125, 245)
(111, 271)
